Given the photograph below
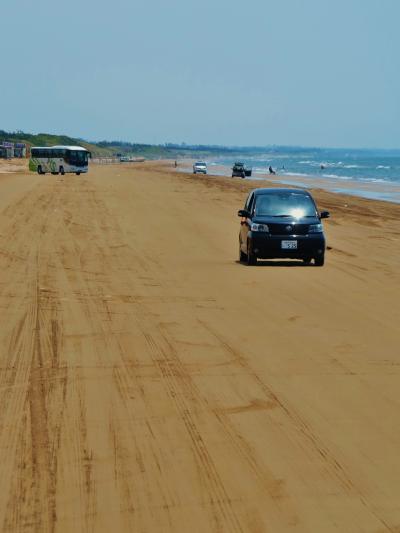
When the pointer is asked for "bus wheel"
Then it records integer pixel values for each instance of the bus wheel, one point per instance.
(39, 170)
(78, 173)
(62, 172)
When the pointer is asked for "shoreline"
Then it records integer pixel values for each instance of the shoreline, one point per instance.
(344, 207)
(348, 189)
(386, 192)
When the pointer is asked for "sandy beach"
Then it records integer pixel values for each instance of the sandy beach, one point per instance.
(8, 166)
(151, 383)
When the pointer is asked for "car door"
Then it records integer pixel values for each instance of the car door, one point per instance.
(245, 223)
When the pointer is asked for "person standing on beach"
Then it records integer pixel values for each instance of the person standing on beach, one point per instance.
(176, 163)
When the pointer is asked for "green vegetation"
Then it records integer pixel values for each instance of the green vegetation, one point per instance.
(109, 148)
(46, 139)
(167, 150)
(101, 149)
(121, 148)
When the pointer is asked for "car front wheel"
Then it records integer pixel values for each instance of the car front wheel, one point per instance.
(319, 261)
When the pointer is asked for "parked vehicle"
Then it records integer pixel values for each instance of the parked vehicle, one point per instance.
(200, 168)
(239, 169)
(281, 223)
(59, 159)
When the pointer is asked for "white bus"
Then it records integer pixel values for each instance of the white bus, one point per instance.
(59, 159)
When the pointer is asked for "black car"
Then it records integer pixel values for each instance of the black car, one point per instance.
(239, 169)
(281, 223)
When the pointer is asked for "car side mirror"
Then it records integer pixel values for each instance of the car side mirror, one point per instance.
(324, 214)
(243, 213)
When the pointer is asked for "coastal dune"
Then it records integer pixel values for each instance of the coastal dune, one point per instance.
(150, 382)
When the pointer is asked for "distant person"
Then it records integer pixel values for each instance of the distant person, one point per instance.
(322, 167)
(271, 170)
(176, 164)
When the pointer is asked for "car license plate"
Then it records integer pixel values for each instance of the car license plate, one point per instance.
(289, 245)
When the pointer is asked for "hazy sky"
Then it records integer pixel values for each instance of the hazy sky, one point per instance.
(249, 72)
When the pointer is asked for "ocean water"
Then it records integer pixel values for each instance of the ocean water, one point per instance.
(368, 173)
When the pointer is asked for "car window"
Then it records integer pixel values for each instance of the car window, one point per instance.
(251, 204)
(248, 201)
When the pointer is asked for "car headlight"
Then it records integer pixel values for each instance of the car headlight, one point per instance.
(315, 228)
(259, 227)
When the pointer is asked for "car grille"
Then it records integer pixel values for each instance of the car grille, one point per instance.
(288, 229)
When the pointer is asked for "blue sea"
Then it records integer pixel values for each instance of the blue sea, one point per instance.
(368, 173)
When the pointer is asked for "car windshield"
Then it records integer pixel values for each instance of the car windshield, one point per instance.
(200, 164)
(285, 204)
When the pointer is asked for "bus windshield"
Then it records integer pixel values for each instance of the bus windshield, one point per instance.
(77, 157)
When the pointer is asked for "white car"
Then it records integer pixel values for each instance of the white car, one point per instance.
(200, 168)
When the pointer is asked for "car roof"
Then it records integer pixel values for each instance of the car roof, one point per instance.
(271, 190)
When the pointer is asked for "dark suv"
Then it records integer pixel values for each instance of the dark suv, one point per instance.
(281, 223)
(240, 169)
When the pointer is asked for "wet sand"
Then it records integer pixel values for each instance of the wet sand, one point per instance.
(150, 382)
(371, 189)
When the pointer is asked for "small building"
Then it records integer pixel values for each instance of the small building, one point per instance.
(9, 147)
(20, 150)
(3, 152)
